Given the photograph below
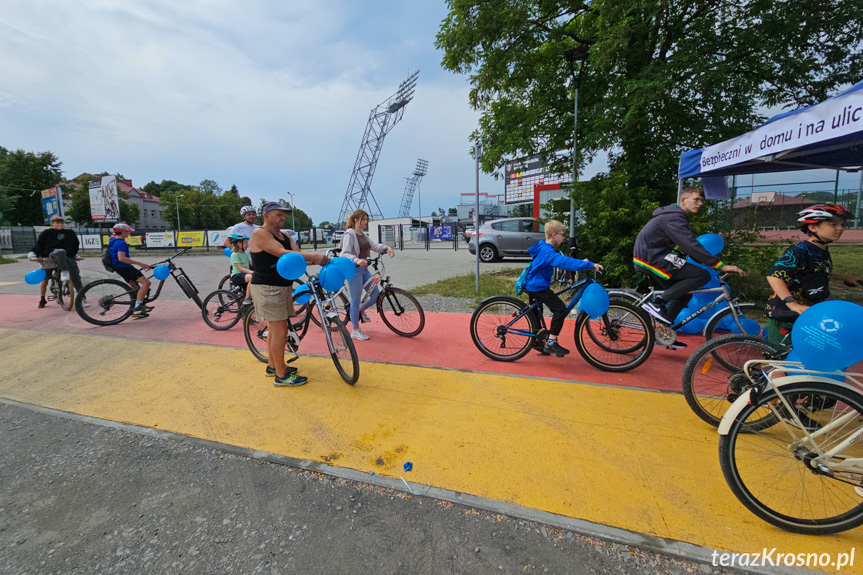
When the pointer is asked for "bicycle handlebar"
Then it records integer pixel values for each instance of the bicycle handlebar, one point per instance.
(179, 253)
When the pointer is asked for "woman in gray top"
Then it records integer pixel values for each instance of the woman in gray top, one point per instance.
(356, 246)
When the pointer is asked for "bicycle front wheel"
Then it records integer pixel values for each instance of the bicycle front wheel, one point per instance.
(497, 333)
(256, 335)
(751, 317)
(222, 309)
(619, 340)
(713, 376)
(343, 306)
(342, 350)
(783, 475)
(401, 312)
(65, 294)
(111, 301)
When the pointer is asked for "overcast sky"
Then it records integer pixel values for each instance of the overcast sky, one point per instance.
(268, 96)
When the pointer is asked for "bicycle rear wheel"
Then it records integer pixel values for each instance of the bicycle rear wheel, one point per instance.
(497, 334)
(713, 376)
(111, 301)
(342, 350)
(781, 473)
(619, 340)
(752, 318)
(222, 309)
(401, 312)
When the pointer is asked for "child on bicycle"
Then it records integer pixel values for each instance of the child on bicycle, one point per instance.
(538, 286)
(241, 265)
(123, 266)
(801, 277)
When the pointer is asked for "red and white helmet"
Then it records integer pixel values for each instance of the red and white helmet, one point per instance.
(822, 213)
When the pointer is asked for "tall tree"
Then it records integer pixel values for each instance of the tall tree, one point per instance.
(22, 176)
(655, 77)
(210, 187)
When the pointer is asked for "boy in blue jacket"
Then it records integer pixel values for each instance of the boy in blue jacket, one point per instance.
(538, 286)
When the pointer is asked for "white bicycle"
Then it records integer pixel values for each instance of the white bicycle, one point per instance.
(790, 447)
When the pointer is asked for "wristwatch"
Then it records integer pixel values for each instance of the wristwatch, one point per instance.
(789, 299)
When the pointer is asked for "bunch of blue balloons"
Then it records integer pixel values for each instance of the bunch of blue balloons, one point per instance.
(332, 276)
(714, 244)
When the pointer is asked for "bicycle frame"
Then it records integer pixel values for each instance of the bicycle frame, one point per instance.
(176, 273)
(579, 285)
(724, 291)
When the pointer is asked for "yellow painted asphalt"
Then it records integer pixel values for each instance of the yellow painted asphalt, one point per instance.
(632, 459)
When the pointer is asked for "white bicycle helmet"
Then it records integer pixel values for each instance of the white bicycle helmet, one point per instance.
(246, 209)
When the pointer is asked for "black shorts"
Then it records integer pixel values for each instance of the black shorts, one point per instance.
(129, 274)
(239, 280)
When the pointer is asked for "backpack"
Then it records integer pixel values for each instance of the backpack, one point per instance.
(522, 280)
(106, 261)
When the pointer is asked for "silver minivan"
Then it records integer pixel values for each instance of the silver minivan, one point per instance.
(506, 237)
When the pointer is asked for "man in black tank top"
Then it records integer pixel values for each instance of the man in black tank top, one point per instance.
(273, 294)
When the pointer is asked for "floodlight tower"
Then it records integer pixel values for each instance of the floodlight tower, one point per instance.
(381, 120)
(411, 187)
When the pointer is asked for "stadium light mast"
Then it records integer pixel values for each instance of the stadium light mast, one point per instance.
(411, 187)
(382, 119)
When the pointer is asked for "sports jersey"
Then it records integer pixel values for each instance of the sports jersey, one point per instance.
(805, 268)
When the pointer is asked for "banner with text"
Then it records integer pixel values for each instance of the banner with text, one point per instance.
(90, 242)
(191, 239)
(160, 240)
(217, 239)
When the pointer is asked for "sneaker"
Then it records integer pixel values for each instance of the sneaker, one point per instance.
(290, 380)
(247, 301)
(140, 311)
(42, 303)
(539, 345)
(365, 317)
(678, 345)
(270, 372)
(358, 334)
(64, 276)
(555, 349)
(146, 308)
(657, 311)
(84, 302)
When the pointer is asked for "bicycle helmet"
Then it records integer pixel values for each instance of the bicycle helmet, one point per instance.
(238, 237)
(246, 209)
(821, 213)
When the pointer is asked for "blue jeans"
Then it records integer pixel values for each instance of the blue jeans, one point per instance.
(355, 288)
(68, 264)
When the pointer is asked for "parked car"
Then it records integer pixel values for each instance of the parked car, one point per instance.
(468, 233)
(337, 236)
(293, 234)
(506, 237)
(304, 237)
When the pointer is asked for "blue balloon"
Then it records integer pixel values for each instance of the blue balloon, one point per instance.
(713, 243)
(594, 301)
(331, 278)
(228, 252)
(347, 267)
(35, 277)
(291, 265)
(302, 294)
(792, 356)
(826, 337)
(694, 326)
(161, 273)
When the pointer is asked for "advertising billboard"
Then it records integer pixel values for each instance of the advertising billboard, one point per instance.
(520, 177)
(104, 201)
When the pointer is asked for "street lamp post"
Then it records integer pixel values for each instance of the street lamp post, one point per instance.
(293, 221)
(478, 153)
(177, 198)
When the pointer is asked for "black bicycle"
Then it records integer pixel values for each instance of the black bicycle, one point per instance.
(505, 328)
(112, 301)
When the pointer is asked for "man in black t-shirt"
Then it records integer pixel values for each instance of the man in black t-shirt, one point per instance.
(61, 245)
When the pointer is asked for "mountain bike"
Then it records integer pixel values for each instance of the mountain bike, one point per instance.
(398, 308)
(112, 301)
(339, 342)
(504, 328)
(62, 291)
(790, 449)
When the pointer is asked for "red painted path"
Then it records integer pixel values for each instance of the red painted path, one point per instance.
(444, 343)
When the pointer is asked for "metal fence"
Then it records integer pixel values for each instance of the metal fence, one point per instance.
(421, 237)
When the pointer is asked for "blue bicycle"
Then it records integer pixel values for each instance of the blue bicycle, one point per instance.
(504, 328)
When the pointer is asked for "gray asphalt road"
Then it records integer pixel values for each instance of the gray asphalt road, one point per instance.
(79, 497)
